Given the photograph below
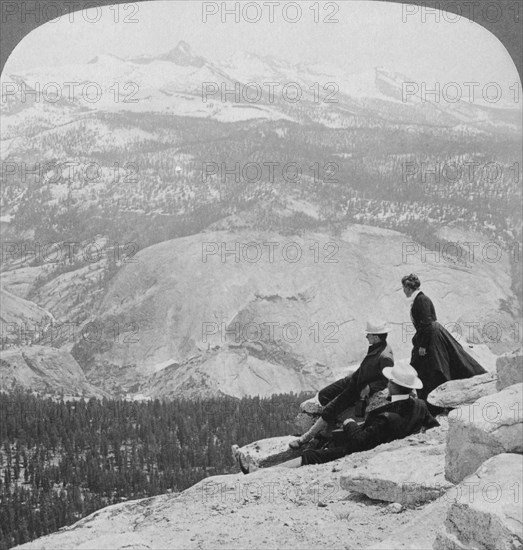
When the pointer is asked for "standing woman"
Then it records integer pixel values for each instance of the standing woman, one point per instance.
(436, 355)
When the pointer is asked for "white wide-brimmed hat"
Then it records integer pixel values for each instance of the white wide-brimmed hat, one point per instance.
(404, 375)
(377, 327)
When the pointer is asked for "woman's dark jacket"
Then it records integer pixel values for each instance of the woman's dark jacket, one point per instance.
(445, 357)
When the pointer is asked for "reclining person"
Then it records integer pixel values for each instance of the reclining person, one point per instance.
(403, 416)
(364, 382)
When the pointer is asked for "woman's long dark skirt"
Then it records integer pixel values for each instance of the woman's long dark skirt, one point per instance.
(445, 360)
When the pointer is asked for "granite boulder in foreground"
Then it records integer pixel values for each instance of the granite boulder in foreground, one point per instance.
(492, 425)
(509, 370)
(486, 511)
(265, 452)
(409, 475)
(455, 393)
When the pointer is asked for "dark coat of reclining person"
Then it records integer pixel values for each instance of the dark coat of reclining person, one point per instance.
(403, 416)
(395, 420)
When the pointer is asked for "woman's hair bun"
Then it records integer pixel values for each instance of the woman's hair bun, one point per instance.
(411, 281)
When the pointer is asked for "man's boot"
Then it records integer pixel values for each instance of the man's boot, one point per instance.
(318, 427)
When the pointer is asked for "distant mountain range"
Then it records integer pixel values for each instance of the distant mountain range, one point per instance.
(247, 87)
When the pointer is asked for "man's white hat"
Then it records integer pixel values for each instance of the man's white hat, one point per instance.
(404, 375)
(377, 327)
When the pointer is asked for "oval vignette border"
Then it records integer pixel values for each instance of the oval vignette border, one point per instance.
(507, 30)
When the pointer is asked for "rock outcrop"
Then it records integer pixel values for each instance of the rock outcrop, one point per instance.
(408, 475)
(265, 453)
(463, 392)
(486, 511)
(21, 320)
(48, 371)
(490, 426)
(509, 370)
(272, 322)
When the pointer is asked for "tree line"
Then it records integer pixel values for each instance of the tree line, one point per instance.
(62, 460)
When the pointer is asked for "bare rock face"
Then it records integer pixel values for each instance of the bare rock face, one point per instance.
(486, 511)
(490, 426)
(21, 319)
(48, 371)
(455, 393)
(265, 452)
(273, 314)
(510, 370)
(408, 475)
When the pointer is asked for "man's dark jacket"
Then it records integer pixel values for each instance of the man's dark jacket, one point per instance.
(392, 421)
(345, 392)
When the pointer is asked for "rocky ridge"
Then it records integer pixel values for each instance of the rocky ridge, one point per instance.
(46, 371)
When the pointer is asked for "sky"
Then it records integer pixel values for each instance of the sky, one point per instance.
(367, 34)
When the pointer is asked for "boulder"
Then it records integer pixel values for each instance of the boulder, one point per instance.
(265, 453)
(490, 426)
(510, 370)
(485, 511)
(311, 406)
(454, 393)
(409, 475)
(310, 411)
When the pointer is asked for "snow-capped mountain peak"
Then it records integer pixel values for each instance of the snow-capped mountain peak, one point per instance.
(104, 58)
(181, 55)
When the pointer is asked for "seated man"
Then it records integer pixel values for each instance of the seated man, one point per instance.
(403, 416)
(365, 381)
